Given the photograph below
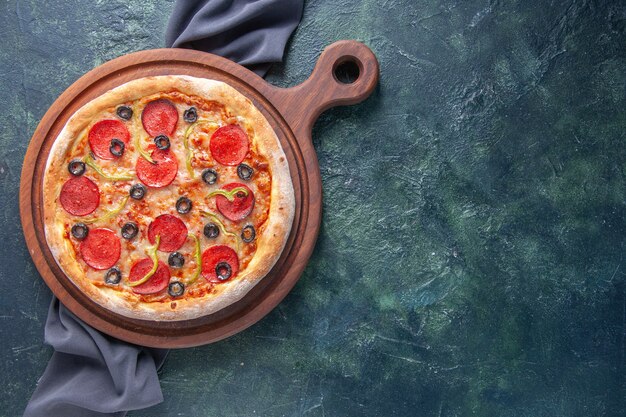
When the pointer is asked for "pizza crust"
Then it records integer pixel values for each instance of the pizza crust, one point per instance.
(269, 245)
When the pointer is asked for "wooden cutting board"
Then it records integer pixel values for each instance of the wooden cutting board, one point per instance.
(290, 111)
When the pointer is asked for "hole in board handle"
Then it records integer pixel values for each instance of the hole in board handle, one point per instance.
(347, 70)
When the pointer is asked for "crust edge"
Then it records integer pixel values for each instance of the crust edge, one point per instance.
(269, 247)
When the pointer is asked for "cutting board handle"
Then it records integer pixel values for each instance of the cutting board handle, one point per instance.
(328, 85)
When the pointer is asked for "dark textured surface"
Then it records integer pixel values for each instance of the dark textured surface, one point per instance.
(470, 260)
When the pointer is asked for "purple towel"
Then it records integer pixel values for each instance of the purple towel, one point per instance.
(94, 375)
(252, 33)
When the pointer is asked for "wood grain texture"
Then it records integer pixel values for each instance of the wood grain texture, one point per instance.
(291, 112)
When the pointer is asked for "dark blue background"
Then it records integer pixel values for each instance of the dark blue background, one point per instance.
(470, 260)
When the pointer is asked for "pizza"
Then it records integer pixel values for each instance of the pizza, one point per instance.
(167, 198)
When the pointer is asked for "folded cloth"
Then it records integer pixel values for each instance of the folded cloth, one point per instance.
(95, 375)
(92, 374)
(252, 33)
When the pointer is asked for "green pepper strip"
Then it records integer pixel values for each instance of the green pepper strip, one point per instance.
(92, 163)
(219, 223)
(110, 214)
(198, 257)
(189, 152)
(152, 253)
(230, 195)
(142, 152)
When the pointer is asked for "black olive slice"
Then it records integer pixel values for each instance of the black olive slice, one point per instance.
(124, 112)
(223, 271)
(137, 191)
(76, 167)
(209, 176)
(248, 234)
(176, 288)
(80, 231)
(176, 260)
(117, 147)
(190, 115)
(244, 172)
(211, 230)
(162, 142)
(113, 276)
(129, 230)
(183, 205)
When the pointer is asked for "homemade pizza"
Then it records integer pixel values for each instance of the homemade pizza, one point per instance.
(167, 198)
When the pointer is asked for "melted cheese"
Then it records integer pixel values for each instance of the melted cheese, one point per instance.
(159, 201)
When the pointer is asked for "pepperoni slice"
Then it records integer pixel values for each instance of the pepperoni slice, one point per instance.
(172, 230)
(101, 134)
(229, 145)
(101, 248)
(161, 173)
(159, 117)
(213, 256)
(240, 207)
(157, 282)
(79, 196)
